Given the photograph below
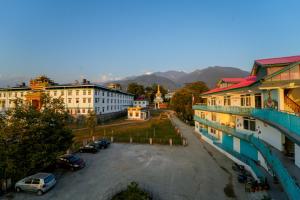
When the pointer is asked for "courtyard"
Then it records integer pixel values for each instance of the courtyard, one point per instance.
(197, 171)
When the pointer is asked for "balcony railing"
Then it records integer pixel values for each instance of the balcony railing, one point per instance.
(288, 183)
(225, 109)
(288, 121)
(285, 120)
(244, 159)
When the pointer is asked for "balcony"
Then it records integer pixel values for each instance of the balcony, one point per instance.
(289, 124)
(237, 110)
(287, 182)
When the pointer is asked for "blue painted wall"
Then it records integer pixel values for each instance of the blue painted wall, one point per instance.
(227, 141)
(248, 150)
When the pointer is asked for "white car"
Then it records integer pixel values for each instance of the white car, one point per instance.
(39, 183)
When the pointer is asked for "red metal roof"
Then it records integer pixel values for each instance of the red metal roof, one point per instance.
(232, 80)
(247, 81)
(281, 60)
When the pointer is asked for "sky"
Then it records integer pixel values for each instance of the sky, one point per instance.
(100, 40)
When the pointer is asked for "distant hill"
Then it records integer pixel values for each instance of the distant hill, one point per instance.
(172, 75)
(175, 79)
(148, 80)
(211, 75)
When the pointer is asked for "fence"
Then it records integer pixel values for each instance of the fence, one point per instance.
(225, 109)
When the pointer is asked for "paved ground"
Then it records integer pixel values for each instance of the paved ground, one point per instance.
(194, 172)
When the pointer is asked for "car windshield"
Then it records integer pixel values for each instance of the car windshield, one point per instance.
(73, 158)
(49, 178)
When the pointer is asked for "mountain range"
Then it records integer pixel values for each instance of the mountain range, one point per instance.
(175, 79)
(169, 79)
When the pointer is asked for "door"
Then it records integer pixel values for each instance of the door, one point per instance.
(35, 184)
(26, 185)
(258, 102)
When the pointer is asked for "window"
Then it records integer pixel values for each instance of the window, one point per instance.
(28, 181)
(136, 114)
(213, 131)
(16, 94)
(213, 117)
(103, 109)
(103, 100)
(83, 110)
(54, 93)
(202, 115)
(69, 92)
(77, 100)
(103, 93)
(245, 100)
(77, 92)
(69, 100)
(84, 100)
(84, 92)
(107, 108)
(89, 100)
(227, 101)
(89, 92)
(213, 101)
(249, 124)
(62, 93)
(36, 181)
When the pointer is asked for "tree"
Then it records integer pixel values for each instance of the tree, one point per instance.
(136, 89)
(31, 139)
(91, 122)
(181, 101)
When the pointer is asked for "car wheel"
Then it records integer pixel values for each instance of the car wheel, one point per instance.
(18, 189)
(39, 192)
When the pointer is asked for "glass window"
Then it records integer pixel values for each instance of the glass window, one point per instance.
(84, 100)
(28, 181)
(77, 92)
(84, 92)
(62, 92)
(69, 100)
(36, 181)
(69, 92)
(227, 101)
(89, 92)
(89, 100)
(249, 124)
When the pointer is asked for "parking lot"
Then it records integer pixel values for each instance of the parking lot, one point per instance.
(197, 171)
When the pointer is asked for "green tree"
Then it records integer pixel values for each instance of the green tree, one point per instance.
(182, 100)
(31, 139)
(136, 89)
(91, 122)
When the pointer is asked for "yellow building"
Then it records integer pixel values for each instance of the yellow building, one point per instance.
(138, 113)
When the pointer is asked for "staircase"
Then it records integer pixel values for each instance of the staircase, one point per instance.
(292, 104)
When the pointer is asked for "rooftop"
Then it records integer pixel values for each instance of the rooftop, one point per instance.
(245, 82)
(280, 60)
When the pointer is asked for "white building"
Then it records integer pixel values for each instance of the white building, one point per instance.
(80, 98)
(141, 103)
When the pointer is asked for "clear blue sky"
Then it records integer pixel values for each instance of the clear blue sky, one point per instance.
(68, 39)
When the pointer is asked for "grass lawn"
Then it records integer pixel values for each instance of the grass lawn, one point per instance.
(160, 129)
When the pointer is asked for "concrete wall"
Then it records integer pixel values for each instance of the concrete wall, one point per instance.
(267, 133)
(236, 144)
(297, 155)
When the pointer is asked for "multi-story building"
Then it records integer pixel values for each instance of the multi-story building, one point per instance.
(255, 120)
(79, 98)
(141, 102)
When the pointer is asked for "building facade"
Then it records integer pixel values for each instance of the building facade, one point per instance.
(138, 113)
(141, 102)
(79, 98)
(255, 120)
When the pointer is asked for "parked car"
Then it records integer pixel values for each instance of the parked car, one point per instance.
(39, 183)
(90, 148)
(70, 161)
(103, 143)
